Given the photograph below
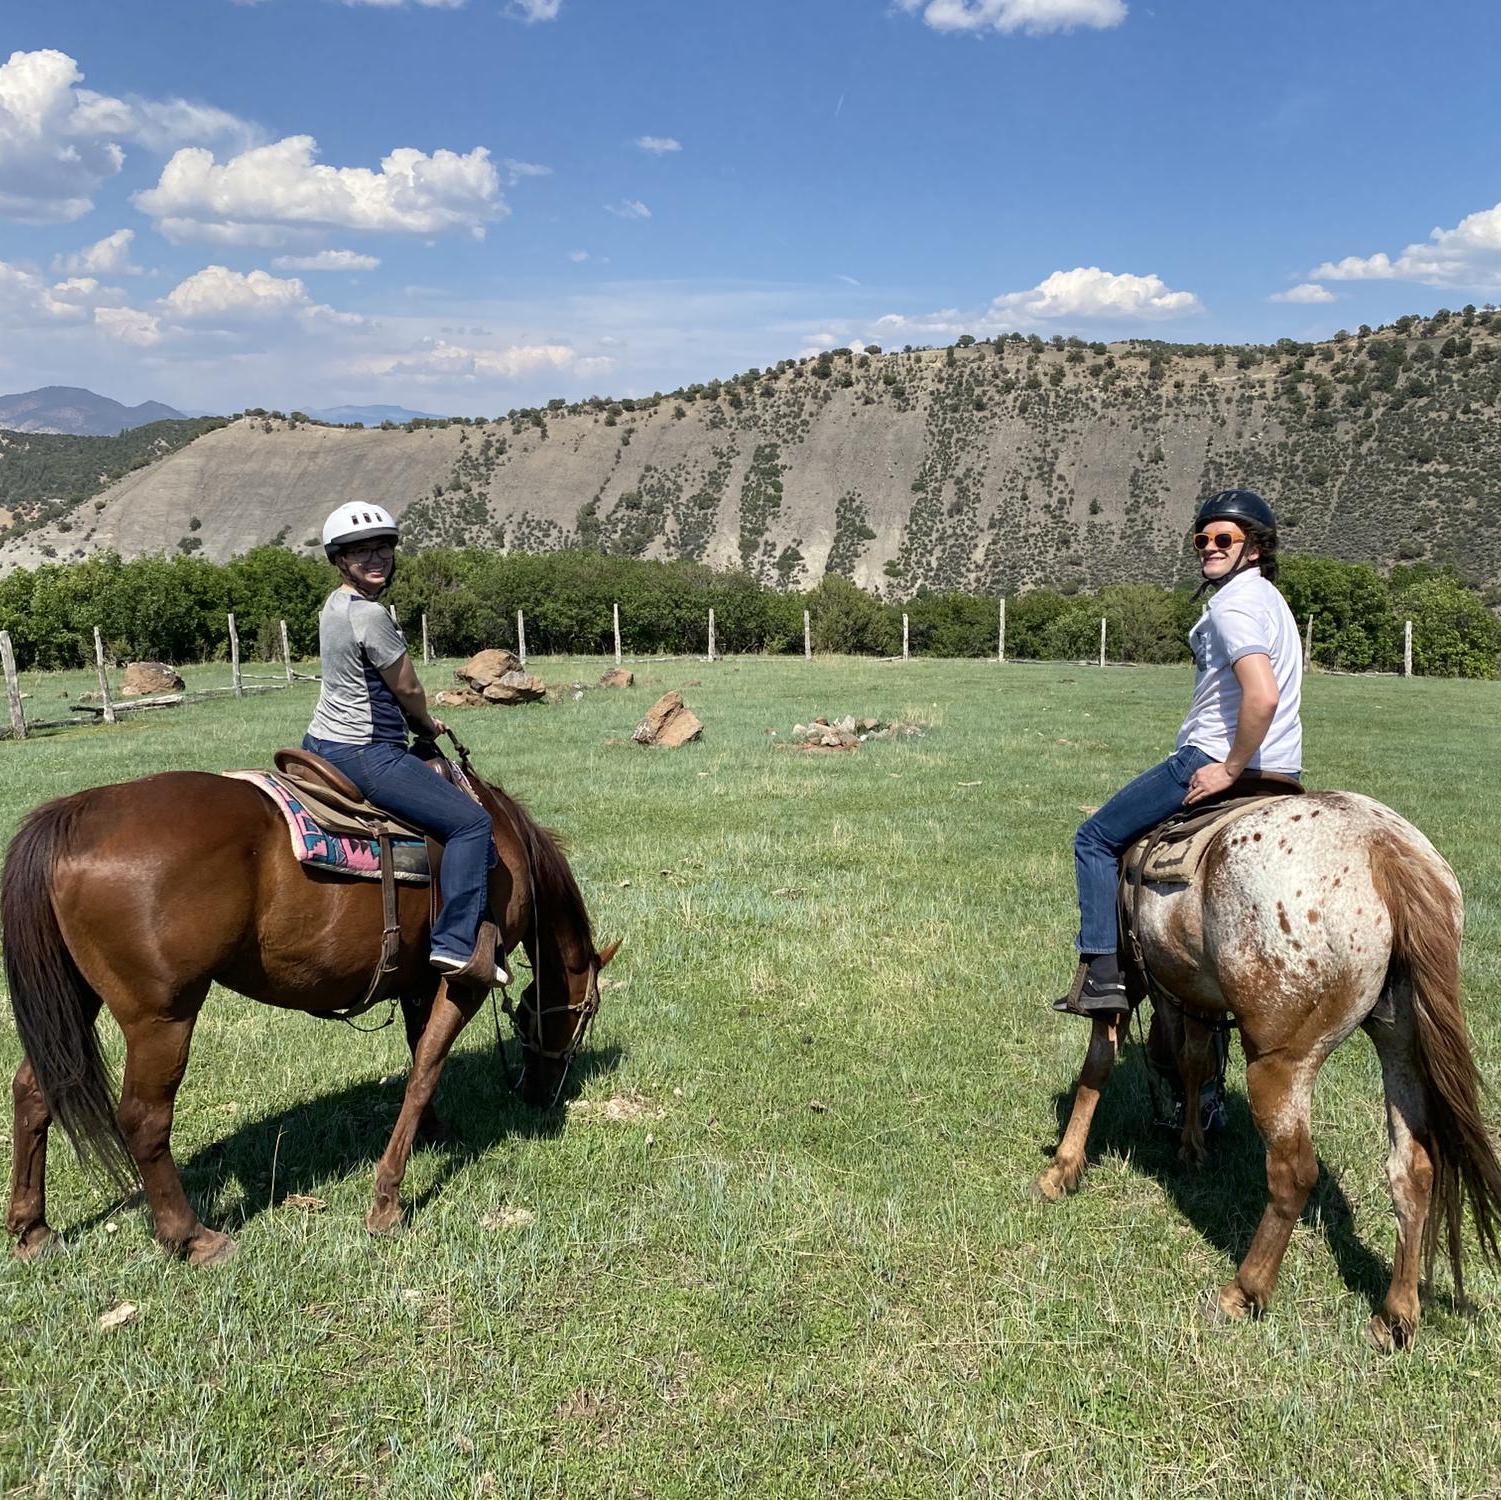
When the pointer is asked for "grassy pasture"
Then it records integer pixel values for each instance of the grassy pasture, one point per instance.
(809, 1264)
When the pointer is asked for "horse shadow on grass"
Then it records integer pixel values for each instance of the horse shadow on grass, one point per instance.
(257, 1165)
(1224, 1198)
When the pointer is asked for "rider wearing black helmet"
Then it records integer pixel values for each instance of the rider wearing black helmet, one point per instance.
(1244, 716)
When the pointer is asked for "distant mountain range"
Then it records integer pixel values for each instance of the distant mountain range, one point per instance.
(370, 416)
(80, 413)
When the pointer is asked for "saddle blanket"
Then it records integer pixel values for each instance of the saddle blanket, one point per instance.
(335, 852)
(1171, 853)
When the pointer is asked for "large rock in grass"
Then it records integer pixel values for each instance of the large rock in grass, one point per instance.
(145, 679)
(515, 687)
(487, 667)
(668, 723)
(618, 677)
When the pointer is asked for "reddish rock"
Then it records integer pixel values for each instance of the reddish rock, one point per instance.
(459, 698)
(515, 687)
(618, 677)
(487, 667)
(668, 723)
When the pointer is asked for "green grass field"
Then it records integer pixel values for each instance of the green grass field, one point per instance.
(807, 1261)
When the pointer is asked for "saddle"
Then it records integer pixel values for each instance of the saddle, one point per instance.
(335, 827)
(1172, 852)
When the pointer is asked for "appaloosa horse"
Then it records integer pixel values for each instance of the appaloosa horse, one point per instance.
(1311, 916)
(141, 895)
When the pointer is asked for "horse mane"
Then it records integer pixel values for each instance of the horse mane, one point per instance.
(556, 884)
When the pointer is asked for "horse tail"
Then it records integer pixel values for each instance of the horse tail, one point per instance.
(54, 1004)
(1427, 916)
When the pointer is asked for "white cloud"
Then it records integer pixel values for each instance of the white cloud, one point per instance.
(516, 171)
(1084, 295)
(578, 257)
(629, 208)
(1469, 255)
(270, 188)
(396, 4)
(107, 257)
(327, 260)
(129, 325)
(220, 296)
(1305, 291)
(440, 361)
(1035, 17)
(59, 142)
(658, 145)
(534, 10)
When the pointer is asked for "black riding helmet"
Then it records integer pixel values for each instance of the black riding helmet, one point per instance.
(1236, 505)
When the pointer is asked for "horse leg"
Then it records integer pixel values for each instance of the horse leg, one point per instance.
(1196, 1066)
(431, 1129)
(27, 1216)
(1280, 1093)
(1063, 1176)
(450, 1013)
(1409, 1169)
(156, 1055)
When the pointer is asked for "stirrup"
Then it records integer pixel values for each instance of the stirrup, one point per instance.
(1075, 1003)
(483, 970)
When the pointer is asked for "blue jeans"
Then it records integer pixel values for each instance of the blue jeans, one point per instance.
(1103, 838)
(393, 778)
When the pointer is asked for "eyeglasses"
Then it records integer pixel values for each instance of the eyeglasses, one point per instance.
(371, 550)
(1221, 541)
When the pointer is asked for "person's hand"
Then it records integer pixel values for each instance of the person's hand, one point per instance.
(438, 727)
(1208, 781)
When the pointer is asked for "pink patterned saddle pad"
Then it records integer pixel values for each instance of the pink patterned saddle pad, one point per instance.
(338, 853)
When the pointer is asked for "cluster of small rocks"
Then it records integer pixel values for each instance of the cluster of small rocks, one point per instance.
(848, 733)
(492, 678)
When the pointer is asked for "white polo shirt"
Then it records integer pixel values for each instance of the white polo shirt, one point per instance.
(1246, 617)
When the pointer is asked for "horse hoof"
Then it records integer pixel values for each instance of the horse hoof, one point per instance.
(210, 1248)
(1229, 1305)
(384, 1218)
(1054, 1186)
(36, 1244)
(1387, 1338)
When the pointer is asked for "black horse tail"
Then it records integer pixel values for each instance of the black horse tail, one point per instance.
(54, 1004)
(1427, 916)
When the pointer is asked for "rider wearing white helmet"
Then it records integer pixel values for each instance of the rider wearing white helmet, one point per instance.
(370, 697)
(1244, 716)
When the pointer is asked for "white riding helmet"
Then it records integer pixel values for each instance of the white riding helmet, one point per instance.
(357, 522)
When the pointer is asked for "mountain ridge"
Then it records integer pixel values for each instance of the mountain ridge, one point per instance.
(988, 466)
(73, 411)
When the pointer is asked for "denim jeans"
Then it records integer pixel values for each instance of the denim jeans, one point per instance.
(1103, 838)
(401, 783)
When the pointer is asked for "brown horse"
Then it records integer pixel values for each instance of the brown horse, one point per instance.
(141, 895)
(1310, 917)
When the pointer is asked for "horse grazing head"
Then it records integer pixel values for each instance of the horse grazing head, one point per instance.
(553, 1016)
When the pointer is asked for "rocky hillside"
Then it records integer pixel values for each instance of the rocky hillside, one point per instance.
(988, 466)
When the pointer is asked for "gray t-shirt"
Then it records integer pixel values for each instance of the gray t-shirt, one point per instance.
(358, 640)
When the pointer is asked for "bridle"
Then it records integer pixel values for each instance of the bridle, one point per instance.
(527, 1019)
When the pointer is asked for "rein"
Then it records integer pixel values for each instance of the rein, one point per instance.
(530, 1036)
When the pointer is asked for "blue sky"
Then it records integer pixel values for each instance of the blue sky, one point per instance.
(470, 206)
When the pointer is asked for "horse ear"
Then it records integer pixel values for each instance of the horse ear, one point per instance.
(603, 957)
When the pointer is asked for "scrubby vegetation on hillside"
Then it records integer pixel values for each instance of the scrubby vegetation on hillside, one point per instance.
(44, 475)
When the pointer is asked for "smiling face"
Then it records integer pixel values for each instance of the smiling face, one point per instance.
(368, 566)
(1222, 546)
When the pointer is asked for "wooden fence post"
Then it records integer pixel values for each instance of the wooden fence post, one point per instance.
(807, 637)
(391, 610)
(427, 650)
(12, 687)
(521, 636)
(711, 634)
(616, 611)
(1407, 649)
(1000, 649)
(104, 697)
(1308, 644)
(1102, 640)
(286, 651)
(906, 640)
(234, 659)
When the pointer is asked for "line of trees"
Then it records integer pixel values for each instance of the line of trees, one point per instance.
(173, 609)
